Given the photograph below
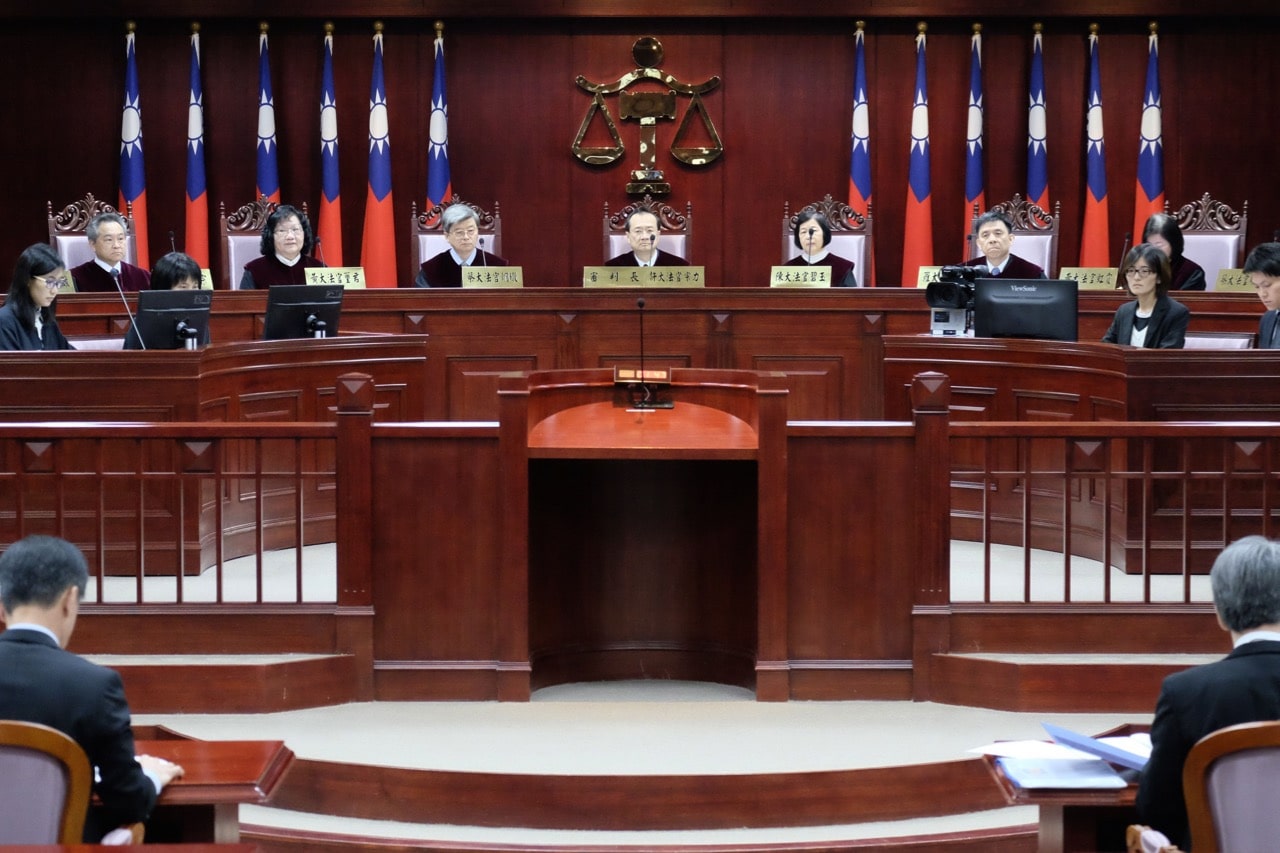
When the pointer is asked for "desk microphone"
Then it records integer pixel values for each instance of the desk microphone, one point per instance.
(644, 386)
(319, 251)
(115, 277)
(484, 262)
(808, 256)
(172, 246)
(969, 251)
(1124, 247)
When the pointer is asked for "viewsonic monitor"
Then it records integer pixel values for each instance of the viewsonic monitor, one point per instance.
(170, 319)
(1025, 308)
(302, 311)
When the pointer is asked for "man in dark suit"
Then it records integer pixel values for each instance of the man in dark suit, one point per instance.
(1263, 268)
(108, 236)
(41, 581)
(993, 236)
(642, 234)
(1243, 687)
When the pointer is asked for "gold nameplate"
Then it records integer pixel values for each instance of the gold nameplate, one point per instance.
(814, 276)
(1091, 278)
(206, 279)
(644, 277)
(1233, 281)
(651, 375)
(928, 275)
(492, 277)
(351, 278)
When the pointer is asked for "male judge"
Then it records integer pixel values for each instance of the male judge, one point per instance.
(993, 237)
(1243, 687)
(462, 232)
(642, 234)
(41, 581)
(108, 236)
(1263, 268)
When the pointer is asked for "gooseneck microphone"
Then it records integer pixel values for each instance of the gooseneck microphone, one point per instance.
(1124, 249)
(484, 262)
(644, 386)
(808, 255)
(115, 277)
(173, 247)
(319, 251)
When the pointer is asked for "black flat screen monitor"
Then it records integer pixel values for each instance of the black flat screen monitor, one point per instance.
(302, 311)
(1025, 308)
(168, 319)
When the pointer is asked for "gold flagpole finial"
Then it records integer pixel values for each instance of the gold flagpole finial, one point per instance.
(262, 27)
(1037, 28)
(921, 26)
(195, 28)
(377, 28)
(328, 28)
(439, 29)
(977, 29)
(1093, 29)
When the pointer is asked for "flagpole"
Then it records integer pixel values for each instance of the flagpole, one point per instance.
(329, 221)
(196, 242)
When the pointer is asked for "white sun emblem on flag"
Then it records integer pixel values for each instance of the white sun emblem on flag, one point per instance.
(439, 129)
(1151, 130)
(131, 128)
(1037, 127)
(379, 134)
(328, 124)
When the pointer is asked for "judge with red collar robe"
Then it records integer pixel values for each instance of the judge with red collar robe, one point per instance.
(993, 237)
(812, 234)
(108, 237)
(287, 243)
(642, 235)
(461, 226)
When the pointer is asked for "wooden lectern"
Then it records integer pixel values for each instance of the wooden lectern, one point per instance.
(643, 544)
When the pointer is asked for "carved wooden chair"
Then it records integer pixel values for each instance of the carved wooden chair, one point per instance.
(426, 236)
(850, 233)
(674, 228)
(1035, 231)
(1228, 781)
(67, 229)
(240, 236)
(1213, 234)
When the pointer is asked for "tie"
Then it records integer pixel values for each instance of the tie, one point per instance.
(995, 272)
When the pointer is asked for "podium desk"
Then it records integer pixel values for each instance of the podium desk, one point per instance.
(204, 805)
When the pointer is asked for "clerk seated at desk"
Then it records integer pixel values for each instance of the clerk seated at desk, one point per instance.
(993, 237)
(174, 271)
(1263, 268)
(1243, 687)
(27, 320)
(1153, 320)
(41, 581)
(461, 228)
(287, 243)
(813, 236)
(642, 235)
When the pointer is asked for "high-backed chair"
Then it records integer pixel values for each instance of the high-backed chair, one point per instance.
(674, 228)
(240, 236)
(426, 236)
(850, 233)
(1213, 234)
(67, 229)
(1035, 231)
(45, 783)
(1228, 780)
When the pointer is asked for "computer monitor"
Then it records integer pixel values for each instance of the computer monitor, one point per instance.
(302, 311)
(1025, 308)
(170, 319)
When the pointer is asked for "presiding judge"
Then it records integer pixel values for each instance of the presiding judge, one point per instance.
(812, 235)
(1152, 320)
(461, 226)
(1162, 231)
(287, 243)
(993, 237)
(27, 320)
(642, 235)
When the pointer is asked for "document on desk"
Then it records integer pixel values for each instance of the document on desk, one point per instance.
(1127, 752)
(1061, 773)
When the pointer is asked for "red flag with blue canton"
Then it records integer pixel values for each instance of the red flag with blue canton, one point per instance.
(917, 242)
(197, 238)
(860, 137)
(133, 179)
(268, 171)
(1149, 194)
(378, 252)
(974, 175)
(1037, 130)
(439, 178)
(1095, 242)
(329, 223)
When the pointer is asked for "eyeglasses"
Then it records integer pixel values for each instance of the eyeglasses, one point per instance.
(54, 284)
(1140, 272)
(284, 232)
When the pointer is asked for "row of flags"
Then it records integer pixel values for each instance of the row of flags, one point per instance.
(378, 249)
(917, 248)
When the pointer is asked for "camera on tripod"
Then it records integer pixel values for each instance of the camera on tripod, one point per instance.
(951, 298)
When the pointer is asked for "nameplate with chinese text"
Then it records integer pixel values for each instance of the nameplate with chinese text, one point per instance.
(1233, 281)
(928, 275)
(807, 276)
(348, 277)
(1091, 278)
(206, 279)
(644, 277)
(492, 277)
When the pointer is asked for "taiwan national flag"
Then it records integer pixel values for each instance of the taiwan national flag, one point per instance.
(1095, 243)
(439, 178)
(197, 238)
(133, 179)
(378, 252)
(860, 139)
(975, 196)
(329, 226)
(917, 241)
(268, 170)
(1037, 130)
(1149, 195)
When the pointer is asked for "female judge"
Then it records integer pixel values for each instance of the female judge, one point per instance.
(174, 271)
(27, 320)
(1152, 320)
(287, 242)
(1162, 231)
(813, 235)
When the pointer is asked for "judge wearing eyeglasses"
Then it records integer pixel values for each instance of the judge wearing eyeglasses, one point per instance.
(1152, 320)
(27, 320)
(286, 248)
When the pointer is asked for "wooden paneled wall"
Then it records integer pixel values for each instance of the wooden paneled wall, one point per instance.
(783, 110)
